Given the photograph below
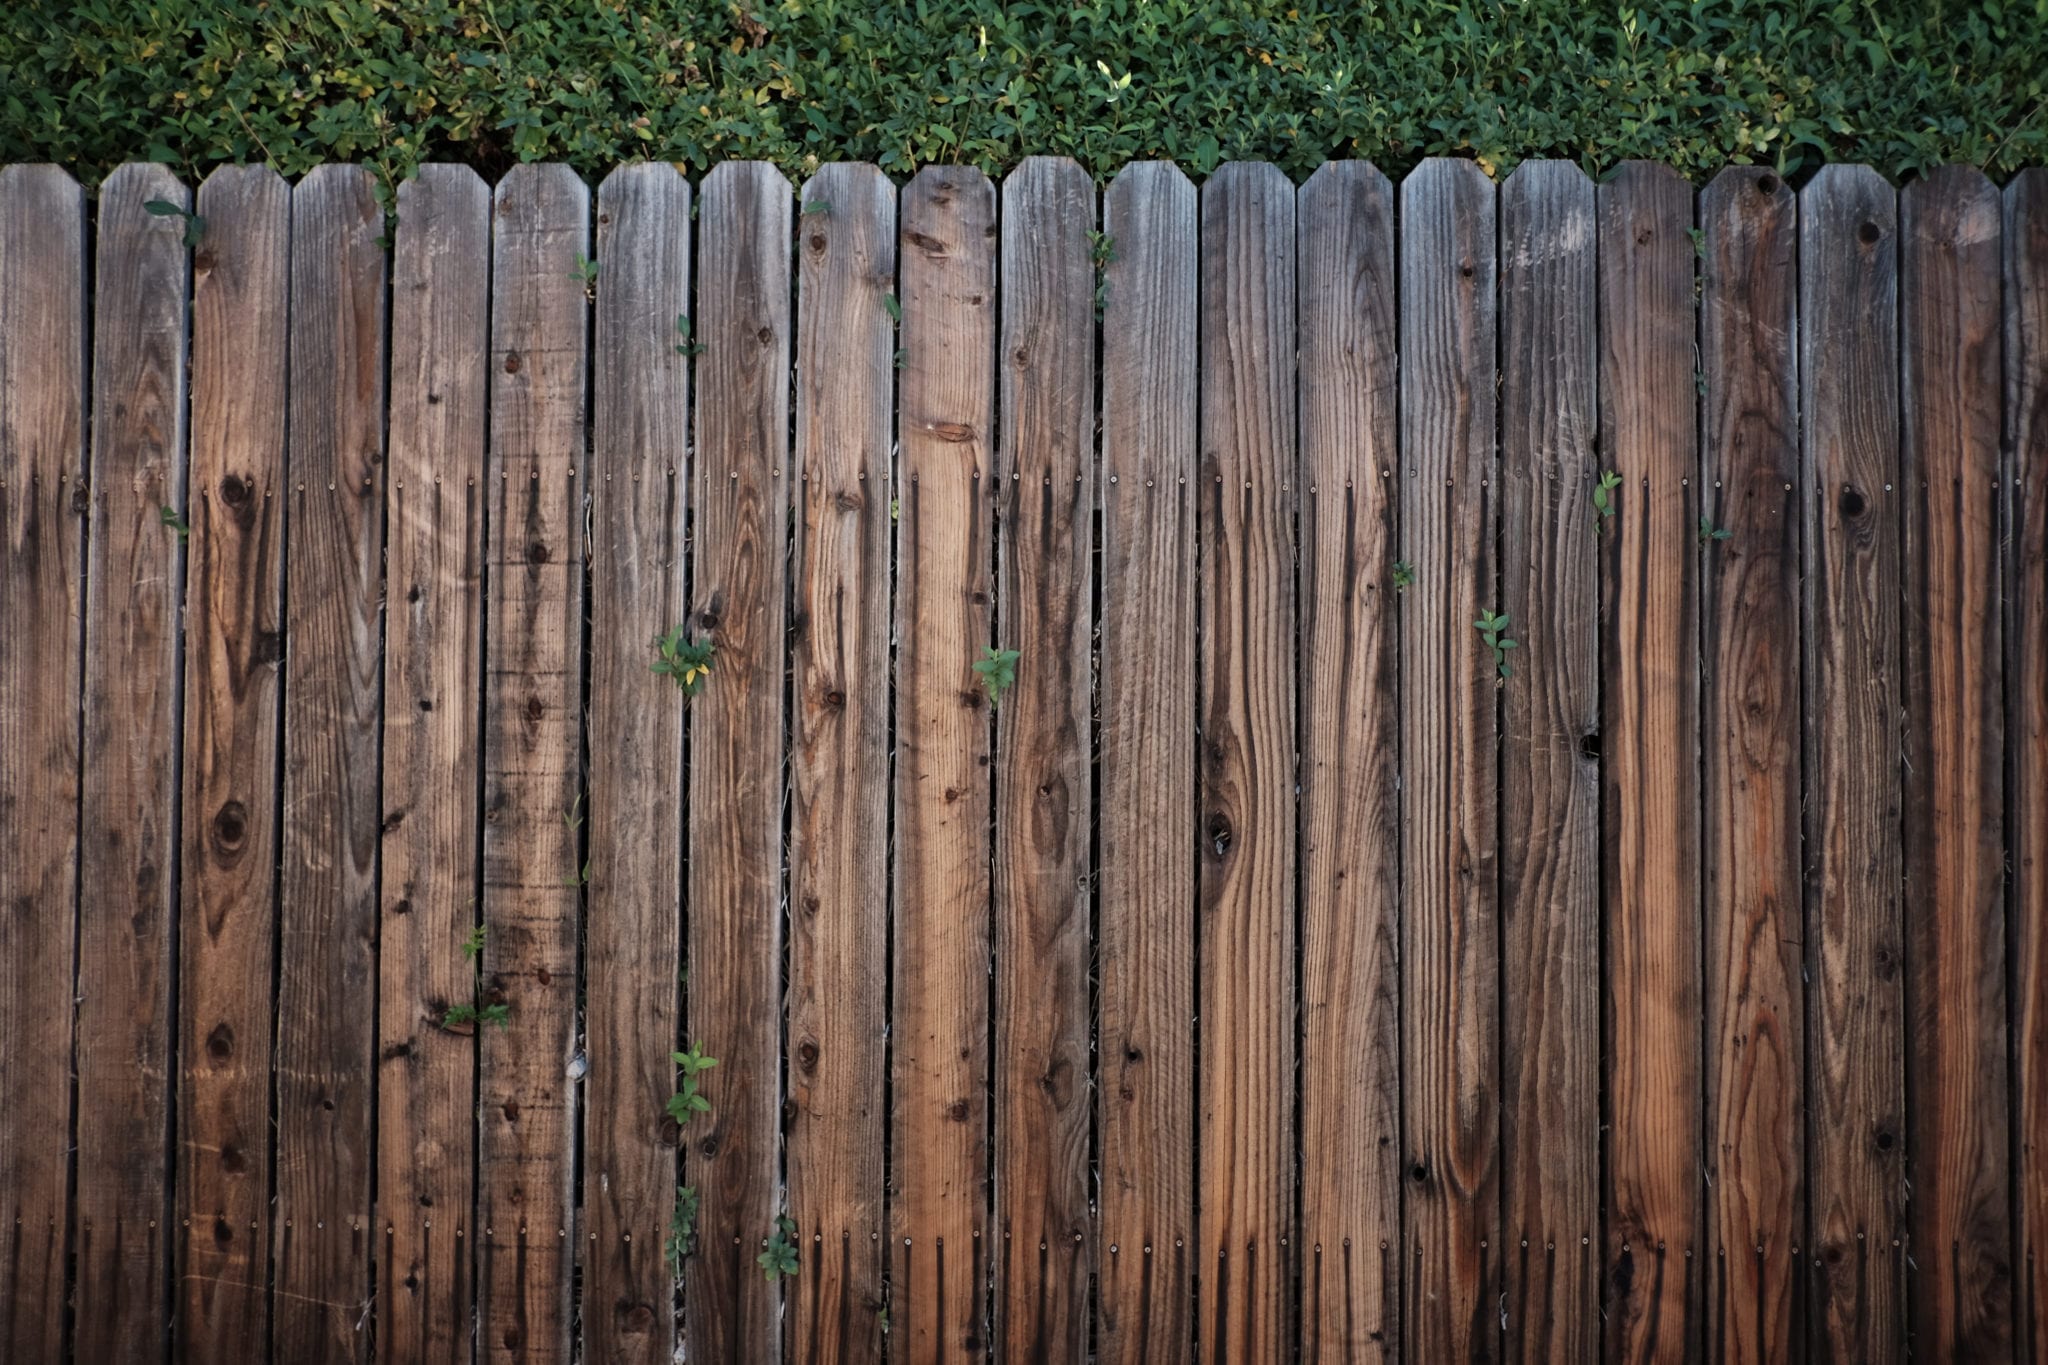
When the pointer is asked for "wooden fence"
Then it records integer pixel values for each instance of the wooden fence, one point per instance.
(1276, 966)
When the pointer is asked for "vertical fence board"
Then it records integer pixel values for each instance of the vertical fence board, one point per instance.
(234, 618)
(534, 488)
(1450, 1061)
(839, 762)
(134, 581)
(1350, 777)
(1043, 797)
(1551, 531)
(740, 584)
(1147, 709)
(633, 875)
(1848, 374)
(326, 1029)
(1248, 1041)
(1957, 1140)
(944, 537)
(1649, 746)
(433, 638)
(42, 507)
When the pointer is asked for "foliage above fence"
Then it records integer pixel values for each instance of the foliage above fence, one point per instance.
(1903, 84)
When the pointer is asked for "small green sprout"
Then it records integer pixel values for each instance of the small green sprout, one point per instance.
(473, 946)
(687, 661)
(168, 515)
(585, 274)
(1710, 532)
(686, 346)
(998, 670)
(1603, 496)
(682, 1228)
(469, 1016)
(195, 226)
(1404, 575)
(894, 307)
(1493, 628)
(1699, 242)
(778, 1259)
(686, 1103)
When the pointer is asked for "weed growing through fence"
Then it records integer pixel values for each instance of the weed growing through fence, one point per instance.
(168, 515)
(682, 1229)
(1699, 241)
(475, 1011)
(817, 207)
(195, 226)
(686, 1103)
(580, 877)
(473, 946)
(1710, 532)
(778, 1259)
(586, 275)
(1404, 575)
(1603, 497)
(1101, 251)
(687, 661)
(1493, 628)
(998, 670)
(686, 346)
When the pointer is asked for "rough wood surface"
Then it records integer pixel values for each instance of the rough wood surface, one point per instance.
(1147, 706)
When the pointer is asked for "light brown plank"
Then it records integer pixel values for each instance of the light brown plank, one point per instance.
(535, 487)
(1848, 369)
(433, 675)
(334, 667)
(1550, 775)
(1450, 966)
(43, 508)
(1044, 743)
(1147, 706)
(1350, 775)
(939, 1038)
(633, 946)
(1951, 334)
(234, 652)
(839, 762)
(134, 589)
(739, 587)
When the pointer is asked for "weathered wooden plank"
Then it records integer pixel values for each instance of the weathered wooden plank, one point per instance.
(1849, 401)
(43, 508)
(1450, 986)
(1246, 872)
(1349, 765)
(533, 733)
(1147, 707)
(1951, 333)
(2026, 729)
(234, 620)
(334, 667)
(1750, 764)
(1044, 741)
(739, 590)
(1649, 751)
(945, 416)
(633, 944)
(1551, 530)
(433, 664)
(134, 589)
(839, 762)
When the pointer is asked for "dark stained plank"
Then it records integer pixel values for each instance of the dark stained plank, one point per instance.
(433, 675)
(1246, 872)
(1951, 331)
(633, 944)
(1350, 775)
(535, 487)
(944, 530)
(839, 763)
(1848, 371)
(1145, 1282)
(43, 509)
(1450, 986)
(2026, 730)
(334, 669)
(1749, 744)
(1649, 697)
(739, 587)
(1044, 739)
(134, 589)
(1550, 774)
(234, 652)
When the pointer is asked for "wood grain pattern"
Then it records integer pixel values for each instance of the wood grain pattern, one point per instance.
(535, 485)
(326, 1033)
(633, 944)
(1450, 984)
(944, 534)
(1848, 370)
(43, 506)
(1750, 743)
(433, 676)
(234, 652)
(1959, 1212)
(1550, 774)
(1649, 698)
(1350, 773)
(839, 763)
(1147, 707)
(739, 591)
(127, 885)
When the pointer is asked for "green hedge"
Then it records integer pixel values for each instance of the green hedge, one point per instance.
(1903, 84)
